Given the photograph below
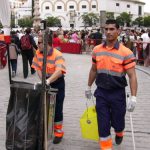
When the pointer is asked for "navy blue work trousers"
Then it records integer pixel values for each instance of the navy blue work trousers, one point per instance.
(111, 110)
(60, 85)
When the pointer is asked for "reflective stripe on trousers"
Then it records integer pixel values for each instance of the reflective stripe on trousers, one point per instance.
(58, 132)
(105, 143)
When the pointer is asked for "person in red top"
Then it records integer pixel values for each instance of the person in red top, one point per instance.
(56, 42)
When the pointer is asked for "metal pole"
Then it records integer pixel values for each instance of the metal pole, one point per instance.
(45, 42)
(9, 69)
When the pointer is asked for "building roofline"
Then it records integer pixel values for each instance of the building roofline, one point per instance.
(135, 1)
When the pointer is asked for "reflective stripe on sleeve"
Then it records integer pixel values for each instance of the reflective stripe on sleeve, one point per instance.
(59, 58)
(61, 66)
(129, 57)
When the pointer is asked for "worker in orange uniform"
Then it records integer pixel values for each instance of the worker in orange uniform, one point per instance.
(111, 61)
(55, 70)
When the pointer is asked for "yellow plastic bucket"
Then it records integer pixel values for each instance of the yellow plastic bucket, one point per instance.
(88, 124)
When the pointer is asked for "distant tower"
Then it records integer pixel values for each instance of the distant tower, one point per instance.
(36, 14)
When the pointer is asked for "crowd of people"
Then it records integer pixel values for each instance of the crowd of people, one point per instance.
(136, 40)
(113, 56)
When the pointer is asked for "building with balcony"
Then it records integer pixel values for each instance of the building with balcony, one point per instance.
(70, 11)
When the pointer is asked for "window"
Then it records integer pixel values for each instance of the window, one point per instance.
(140, 10)
(47, 7)
(128, 6)
(71, 7)
(117, 4)
(59, 7)
(93, 6)
(83, 6)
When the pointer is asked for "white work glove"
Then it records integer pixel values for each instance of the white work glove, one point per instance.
(131, 102)
(47, 82)
(88, 93)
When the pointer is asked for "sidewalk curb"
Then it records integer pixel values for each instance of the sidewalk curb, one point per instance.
(143, 70)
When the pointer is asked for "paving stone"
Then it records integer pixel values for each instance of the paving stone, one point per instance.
(78, 67)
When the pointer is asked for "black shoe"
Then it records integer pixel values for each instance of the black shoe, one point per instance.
(33, 72)
(118, 139)
(57, 140)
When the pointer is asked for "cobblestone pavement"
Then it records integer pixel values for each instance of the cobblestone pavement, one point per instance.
(76, 80)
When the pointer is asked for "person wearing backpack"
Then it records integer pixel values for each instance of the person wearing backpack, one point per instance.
(27, 45)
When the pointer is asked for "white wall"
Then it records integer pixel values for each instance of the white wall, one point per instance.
(64, 13)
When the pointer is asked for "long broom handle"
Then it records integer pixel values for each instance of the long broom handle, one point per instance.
(45, 124)
(45, 42)
(132, 130)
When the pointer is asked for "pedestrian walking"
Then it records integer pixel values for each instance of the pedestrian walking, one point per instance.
(55, 70)
(111, 61)
(13, 53)
(27, 45)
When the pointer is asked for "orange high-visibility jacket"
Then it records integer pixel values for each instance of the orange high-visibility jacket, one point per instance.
(112, 64)
(54, 62)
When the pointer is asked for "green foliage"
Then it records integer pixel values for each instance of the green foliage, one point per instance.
(12, 21)
(124, 18)
(120, 20)
(139, 21)
(90, 19)
(1, 25)
(25, 22)
(53, 22)
(147, 21)
(110, 15)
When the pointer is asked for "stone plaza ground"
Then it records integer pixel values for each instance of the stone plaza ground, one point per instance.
(75, 103)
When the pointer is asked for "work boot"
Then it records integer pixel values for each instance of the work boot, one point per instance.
(57, 140)
(33, 72)
(118, 139)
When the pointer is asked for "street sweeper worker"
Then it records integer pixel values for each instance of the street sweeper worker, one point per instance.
(55, 70)
(111, 61)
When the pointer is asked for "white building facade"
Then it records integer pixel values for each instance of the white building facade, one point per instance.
(21, 9)
(70, 11)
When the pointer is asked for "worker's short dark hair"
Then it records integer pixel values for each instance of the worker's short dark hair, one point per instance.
(28, 30)
(112, 21)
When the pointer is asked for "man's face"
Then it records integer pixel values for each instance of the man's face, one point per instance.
(111, 32)
(41, 46)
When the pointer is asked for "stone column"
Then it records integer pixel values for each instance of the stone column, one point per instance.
(36, 14)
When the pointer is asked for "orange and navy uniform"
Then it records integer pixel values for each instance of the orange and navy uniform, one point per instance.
(111, 65)
(55, 61)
